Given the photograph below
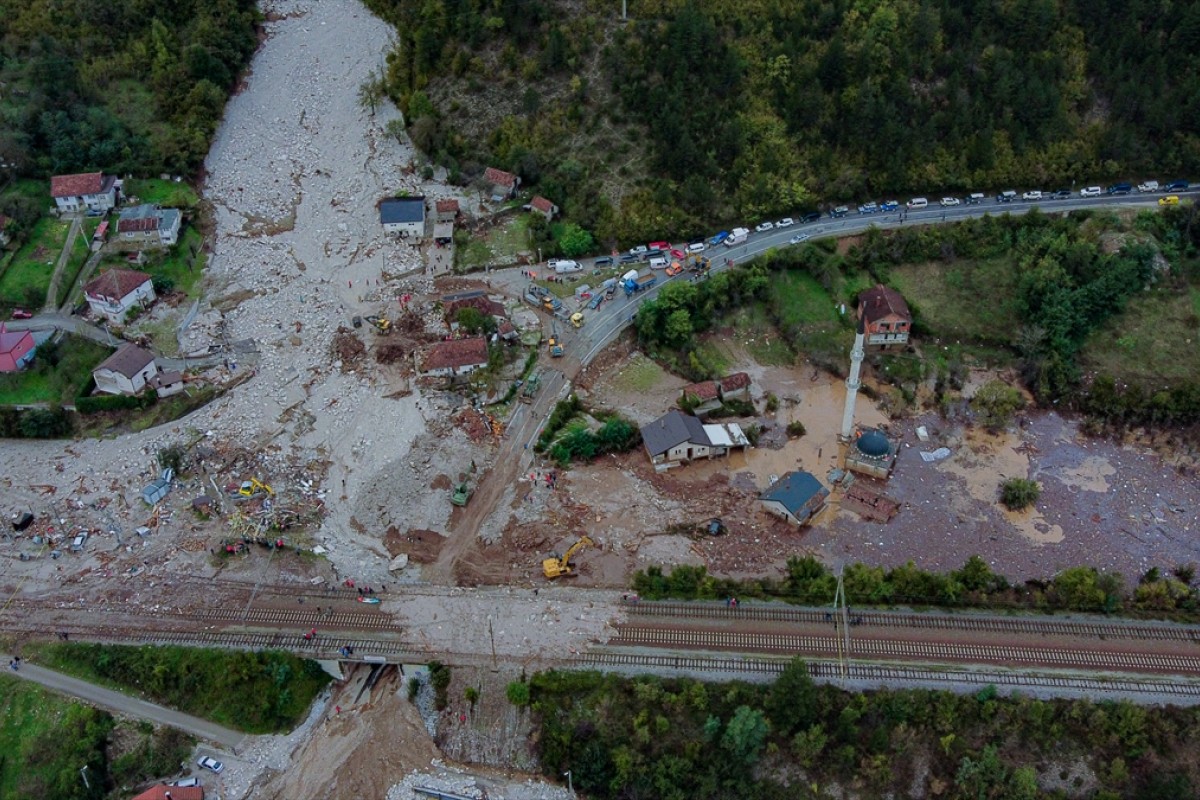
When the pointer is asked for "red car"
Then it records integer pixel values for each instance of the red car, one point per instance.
(20, 313)
(660, 245)
(677, 253)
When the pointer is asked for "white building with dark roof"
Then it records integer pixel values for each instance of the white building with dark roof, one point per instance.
(403, 216)
(126, 371)
(676, 438)
(149, 226)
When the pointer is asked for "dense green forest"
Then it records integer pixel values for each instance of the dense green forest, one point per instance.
(130, 86)
(704, 111)
(679, 738)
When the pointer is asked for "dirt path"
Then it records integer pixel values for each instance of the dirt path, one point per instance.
(63, 258)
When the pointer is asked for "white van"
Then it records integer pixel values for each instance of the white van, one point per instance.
(918, 202)
(564, 265)
(696, 247)
(658, 262)
(975, 199)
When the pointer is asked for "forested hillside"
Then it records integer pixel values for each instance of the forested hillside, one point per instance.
(134, 85)
(712, 109)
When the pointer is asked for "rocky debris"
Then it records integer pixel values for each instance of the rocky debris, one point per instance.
(347, 349)
(454, 781)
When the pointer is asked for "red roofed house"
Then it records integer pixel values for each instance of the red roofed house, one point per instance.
(544, 207)
(735, 387)
(705, 395)
(91, 191)
(115, 292)
(162, 792)
(149, 226)
(886, 315)
(504, 184)
(453, 358)
(126, 371)
(446, 210)
(16, 349)
(480, 303)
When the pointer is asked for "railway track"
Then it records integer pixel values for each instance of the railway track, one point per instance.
(888, 674)
(337, 620)
(883, 649)
(1107, 629)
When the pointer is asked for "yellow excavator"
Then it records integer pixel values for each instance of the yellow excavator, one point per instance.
(560, 567)
(382, 324)
(254, 486)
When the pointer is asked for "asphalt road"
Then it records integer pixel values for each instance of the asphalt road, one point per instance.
(606, 323)
(127, 706)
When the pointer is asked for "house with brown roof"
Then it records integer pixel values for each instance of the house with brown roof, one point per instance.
(126, 371)
(167, 383)
(703, 397)
(886, 316)
(735, 387)
(149, 226)
(503, 184)
(543, 207)
(16, 349)
(452, 304)
(453, 358)
(114, 293)
(446, 210)
(164, 792)
(93, 192)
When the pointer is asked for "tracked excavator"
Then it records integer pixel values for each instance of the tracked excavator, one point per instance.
(561, 567)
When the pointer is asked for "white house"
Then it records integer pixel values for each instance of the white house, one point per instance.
(796, 497)
(149, 226)
(676, 438)
(404, 216)
(454, 358)
(90, 191)
(126, 371)
(115, 292)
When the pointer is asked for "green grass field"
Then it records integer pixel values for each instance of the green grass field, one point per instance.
(26, 713)
(27, 278)
(79, 255)
(57, 374)
(500, 245)
(1154, 341)
(753, 327)
(641, 374)
(167, 194)
(967, 300)
(184, 269)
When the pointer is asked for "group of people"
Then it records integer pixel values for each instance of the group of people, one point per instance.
(15, 664)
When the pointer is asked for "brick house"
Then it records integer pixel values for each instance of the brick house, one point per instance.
(148, 226)
(452, 304)
(126, 371)
(446, 210)
(705, 395)
(90, 191)
(735, 387)
(114, 293)
(503, 185)
(453, 358)
(886, 316)
(543, 207)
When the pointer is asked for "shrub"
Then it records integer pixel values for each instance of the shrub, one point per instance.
(772, 403)
(1018, 494)
(439, 678)
(796, 429)
(517, 693)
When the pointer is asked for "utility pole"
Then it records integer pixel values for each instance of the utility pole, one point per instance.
(492, 634)
(841, 628)
(624, 16)
(570, 783)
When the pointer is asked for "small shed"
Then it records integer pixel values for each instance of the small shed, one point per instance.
(443, 233)
(158, 488)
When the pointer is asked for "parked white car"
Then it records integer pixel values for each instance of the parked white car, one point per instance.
(696, 247)
(1032, 194)
(798, 238)
(762, 227)
(786, 222)
(1148, 186)
(208, 762)
(1091, 191)
(950, 201)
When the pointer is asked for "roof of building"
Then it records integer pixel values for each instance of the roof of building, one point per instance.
(793, 490)
(129, 360)
(738, 380)
(161, 792)
(705, 390)
(880, 301)
(479, 303)
(726, 434)
(118, 283)
(673, 429)
(443, 230)
(873, 443)
(11, 340)
(542, 204)
(402, 209)
(506, 328)
(166, 378)
(445, 205)
(455, 353)
(498, 177)
(74, 185)
(145, 217)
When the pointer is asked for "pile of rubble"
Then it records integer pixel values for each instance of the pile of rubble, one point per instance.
(457, 782)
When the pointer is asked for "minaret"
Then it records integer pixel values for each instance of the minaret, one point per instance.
(856, 358)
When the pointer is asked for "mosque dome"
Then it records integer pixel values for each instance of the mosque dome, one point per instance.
(873, 443)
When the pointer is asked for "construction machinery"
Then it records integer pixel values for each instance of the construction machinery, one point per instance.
(560, 567)
(531, 386)
(381, 324)
(462, 493)
(254, 487)
(577, 319)
(556, 348)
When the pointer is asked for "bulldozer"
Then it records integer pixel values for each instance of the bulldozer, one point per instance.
(531, 387)
(382, 325)
(560, 567)
(254, 487)
(556, 348)
(462, 493)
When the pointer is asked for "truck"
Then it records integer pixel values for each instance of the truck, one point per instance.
(633, 286)
(564, 265)
(737, 237)
(556, 348)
